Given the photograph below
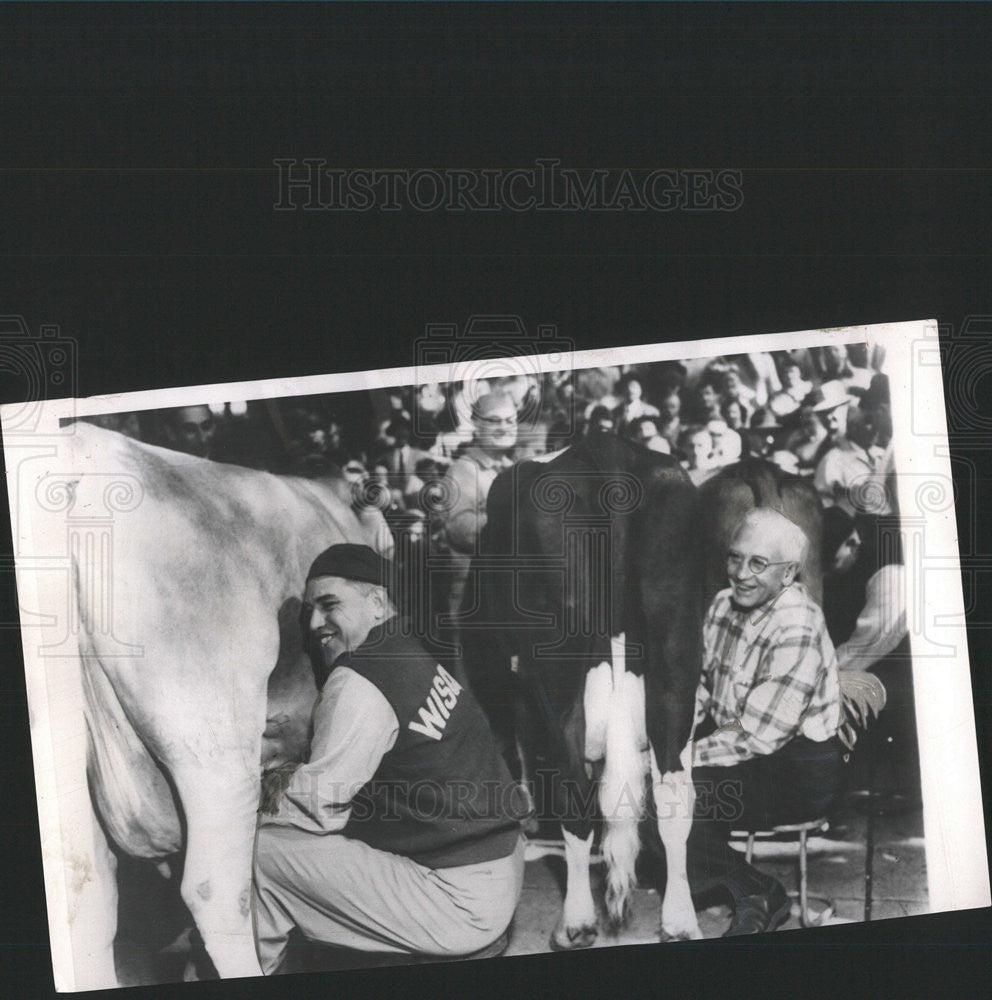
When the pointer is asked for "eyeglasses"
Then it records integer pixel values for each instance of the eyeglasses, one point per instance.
(496, 421)
(756, 564)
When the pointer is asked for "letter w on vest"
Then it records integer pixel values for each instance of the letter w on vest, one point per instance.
(437, 709)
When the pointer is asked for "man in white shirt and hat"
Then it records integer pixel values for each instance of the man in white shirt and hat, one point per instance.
(852, 472)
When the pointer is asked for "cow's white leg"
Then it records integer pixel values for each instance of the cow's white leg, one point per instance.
(675, 797)
(577, 924)
(220, 803)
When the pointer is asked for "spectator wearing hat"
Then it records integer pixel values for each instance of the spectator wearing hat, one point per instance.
(401, 832)
(808, 440)
(853, 472)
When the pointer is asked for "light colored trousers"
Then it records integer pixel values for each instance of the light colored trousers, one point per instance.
(342, 892)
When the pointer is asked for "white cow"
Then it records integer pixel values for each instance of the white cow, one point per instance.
(187, 601)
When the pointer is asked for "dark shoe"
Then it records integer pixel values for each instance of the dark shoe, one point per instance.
(760, 913)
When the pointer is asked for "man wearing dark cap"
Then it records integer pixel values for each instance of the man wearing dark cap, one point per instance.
(401, 833)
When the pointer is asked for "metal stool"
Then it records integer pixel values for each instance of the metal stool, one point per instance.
(818, 825)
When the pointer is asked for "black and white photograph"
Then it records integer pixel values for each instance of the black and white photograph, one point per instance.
(495, 499)
(514, 655)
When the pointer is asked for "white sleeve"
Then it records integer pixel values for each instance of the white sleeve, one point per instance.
(882, 621)
(354, 727)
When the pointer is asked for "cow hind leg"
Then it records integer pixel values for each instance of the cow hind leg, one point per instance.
(622, 786)
(577, 925)
(674, 796)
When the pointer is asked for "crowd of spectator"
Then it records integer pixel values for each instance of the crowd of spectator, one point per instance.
(820, 413)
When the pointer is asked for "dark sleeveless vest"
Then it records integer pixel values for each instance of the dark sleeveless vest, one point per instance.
(442, 795)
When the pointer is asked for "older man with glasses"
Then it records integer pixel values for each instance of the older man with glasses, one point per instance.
(765, 750)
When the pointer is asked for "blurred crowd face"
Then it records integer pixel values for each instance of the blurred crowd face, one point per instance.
(355, 471)
(835, 421)
(633, 391)
(710, 399)
(810, 424)
(734, 415)
(317, 437)
(430, 398)
(726, 443)
(861, 428)
(699, 448)
(192, 430)
(672, 405)
(847, 554)
(792, 376)
(646, 430)
(496, 429)
(732, 383)
(786, 461)
(834, 359)
(600, 423)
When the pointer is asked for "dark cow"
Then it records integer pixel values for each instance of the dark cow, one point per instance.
(741, 487)
(586, 600)
(183, 647)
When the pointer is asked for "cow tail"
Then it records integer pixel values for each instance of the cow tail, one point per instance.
(621, 792)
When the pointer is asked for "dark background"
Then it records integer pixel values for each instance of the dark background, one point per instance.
(136, 214)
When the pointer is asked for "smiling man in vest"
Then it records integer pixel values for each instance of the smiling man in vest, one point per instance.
(401, 834)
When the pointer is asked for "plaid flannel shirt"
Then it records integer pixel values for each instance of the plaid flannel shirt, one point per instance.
(769, 675)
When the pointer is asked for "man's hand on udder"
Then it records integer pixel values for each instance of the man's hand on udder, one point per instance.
(274, 782)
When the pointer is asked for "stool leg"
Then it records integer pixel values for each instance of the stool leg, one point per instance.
(749, 851)
(803, 910)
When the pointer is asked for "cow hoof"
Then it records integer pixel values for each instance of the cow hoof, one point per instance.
(692, 933)
(573, 938)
